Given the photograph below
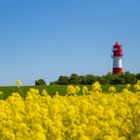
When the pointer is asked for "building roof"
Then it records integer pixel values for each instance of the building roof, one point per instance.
(117, 45)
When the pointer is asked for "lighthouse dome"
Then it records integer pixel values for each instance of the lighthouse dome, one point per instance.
(117, 45)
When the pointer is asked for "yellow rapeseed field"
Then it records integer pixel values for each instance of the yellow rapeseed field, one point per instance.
(91, 116)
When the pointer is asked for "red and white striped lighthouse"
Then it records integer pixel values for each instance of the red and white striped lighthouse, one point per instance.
(117, 58)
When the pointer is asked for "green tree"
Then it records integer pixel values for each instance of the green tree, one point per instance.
(138, 76)
(90, 79)
(40, 82)
(104, 80)
(83, 80)
(75, 79)
(63, 80)
(119, 78)
(108, 78)
(130, 78)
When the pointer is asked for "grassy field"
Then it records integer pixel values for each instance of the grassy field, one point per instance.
(51, 89)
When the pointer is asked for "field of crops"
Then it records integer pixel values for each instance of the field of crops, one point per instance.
(51, 89)
(82, 113)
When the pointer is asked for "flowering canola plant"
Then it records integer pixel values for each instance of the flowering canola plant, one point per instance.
(91, 116)
(18, 83)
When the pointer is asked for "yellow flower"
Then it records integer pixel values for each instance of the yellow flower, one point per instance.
(18, 83)
(96, 87)
(44, 92)
(71, 90)
(89, 117)
(107, 137)
(128, 86)
(112, 89)
(84, 90)
(138, 82)
(125, 91)
(77, 88)
(84, 138)
(1, 93)
(57, 93)
(136, 87)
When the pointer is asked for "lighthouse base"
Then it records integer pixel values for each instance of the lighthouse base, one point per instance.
(117, 70)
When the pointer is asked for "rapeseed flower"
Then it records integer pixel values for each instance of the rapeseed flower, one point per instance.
(85, 90)
(112, 89)
(96, 87)
(18, 83)
(71, 90)
(77, 88)
(92, 116)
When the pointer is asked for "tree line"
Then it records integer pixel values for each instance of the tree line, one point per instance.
(109, 78)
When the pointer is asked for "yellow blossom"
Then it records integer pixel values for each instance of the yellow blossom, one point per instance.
(77, 88)
(88, 117)
(138, 82)
(112, 89)
(85, 90)
(18, 83)
(96, 87)
(71, 90)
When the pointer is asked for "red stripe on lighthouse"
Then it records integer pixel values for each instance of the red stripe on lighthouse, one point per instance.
(117, 70)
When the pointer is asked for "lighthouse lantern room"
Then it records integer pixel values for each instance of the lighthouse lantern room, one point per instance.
(117, 58)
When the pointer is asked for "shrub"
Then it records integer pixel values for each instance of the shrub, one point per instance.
(40, 82)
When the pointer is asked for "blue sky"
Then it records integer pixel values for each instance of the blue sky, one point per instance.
(49, 38)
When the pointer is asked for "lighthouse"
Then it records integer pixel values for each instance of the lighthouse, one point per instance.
(117, 58)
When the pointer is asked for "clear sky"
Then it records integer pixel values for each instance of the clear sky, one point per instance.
(49, 38)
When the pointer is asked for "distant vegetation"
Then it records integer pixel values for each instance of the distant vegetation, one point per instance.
(40, 82)
(109, 78)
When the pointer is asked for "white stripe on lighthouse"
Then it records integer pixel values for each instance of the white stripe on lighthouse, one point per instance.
(117, 62)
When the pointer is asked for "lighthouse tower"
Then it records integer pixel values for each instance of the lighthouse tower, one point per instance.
(117, 58)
